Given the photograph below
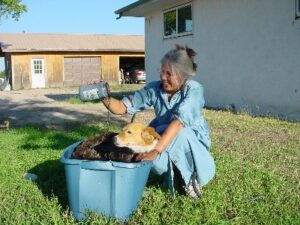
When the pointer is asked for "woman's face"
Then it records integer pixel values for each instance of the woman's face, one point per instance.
(169, 81)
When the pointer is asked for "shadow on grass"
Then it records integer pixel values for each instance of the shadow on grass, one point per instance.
(65, 97)
(59, 141)
(51, 176)
(46, 113)
(40, 136)
(52, 181)
(155, 180)
(160, 181)
(61, 97)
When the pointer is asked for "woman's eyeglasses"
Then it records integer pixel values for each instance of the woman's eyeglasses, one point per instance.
(166, 73)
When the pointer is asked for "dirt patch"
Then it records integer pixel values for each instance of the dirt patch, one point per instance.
(46, 107)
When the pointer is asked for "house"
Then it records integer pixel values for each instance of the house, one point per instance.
(248, 51)
(55, 60)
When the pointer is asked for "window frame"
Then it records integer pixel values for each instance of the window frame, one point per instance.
(176, 8)
(38, 66)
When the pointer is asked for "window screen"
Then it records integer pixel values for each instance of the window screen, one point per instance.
(185, 19)
(170, 23)
(178, 21)
(37, 66)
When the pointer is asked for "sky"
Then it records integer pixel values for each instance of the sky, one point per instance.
(73, 17)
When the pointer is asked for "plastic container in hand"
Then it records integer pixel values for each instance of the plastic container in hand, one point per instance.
(93, 92)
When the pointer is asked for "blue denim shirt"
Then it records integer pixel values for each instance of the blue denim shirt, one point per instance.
(186, 105)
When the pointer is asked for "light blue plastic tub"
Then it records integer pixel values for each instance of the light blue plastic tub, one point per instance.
(106, 187)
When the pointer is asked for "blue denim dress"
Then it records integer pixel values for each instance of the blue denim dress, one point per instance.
(189, 150)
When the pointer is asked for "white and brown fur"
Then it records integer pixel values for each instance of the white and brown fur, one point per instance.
(138, 137)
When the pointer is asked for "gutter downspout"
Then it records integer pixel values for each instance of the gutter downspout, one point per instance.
(119, 17)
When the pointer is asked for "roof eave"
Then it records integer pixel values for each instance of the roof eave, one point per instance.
(143, 7)
(73, 50)
(132, 9)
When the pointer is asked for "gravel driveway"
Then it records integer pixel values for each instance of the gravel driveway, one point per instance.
(46, 107)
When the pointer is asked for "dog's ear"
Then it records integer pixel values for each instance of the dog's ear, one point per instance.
(149, 134)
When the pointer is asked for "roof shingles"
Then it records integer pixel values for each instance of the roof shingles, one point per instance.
(29, 42)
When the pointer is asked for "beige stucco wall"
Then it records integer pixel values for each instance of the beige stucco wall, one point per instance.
(248, 53)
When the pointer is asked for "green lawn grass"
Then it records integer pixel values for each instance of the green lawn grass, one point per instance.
(257, 179)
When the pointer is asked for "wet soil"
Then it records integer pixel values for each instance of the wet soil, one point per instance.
(47, 107)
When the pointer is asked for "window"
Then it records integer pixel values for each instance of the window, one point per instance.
(298, 8)
(37, 66)
(178, 21)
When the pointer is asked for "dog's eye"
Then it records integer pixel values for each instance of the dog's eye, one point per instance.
(129, 132)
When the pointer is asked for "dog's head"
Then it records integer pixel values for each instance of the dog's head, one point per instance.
(138, 137)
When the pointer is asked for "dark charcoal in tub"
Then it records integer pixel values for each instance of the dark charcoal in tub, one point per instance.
(102, 147)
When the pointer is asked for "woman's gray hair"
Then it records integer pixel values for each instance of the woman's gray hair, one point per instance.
(182, 58)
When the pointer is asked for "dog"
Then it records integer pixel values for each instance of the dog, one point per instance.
(135, 138)
(138, 137)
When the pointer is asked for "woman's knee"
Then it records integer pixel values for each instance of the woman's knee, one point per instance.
(185, 134)
(160, 164)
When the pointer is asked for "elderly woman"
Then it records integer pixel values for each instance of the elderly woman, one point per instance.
(182, 152)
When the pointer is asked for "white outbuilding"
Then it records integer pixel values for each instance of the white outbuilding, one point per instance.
(248, 51)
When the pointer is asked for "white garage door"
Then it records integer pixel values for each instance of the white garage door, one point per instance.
(80, 70)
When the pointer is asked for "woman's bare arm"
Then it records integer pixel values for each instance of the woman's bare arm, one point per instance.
(172, 130)
(114, 106)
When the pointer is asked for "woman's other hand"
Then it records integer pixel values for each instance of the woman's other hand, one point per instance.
(148, 156)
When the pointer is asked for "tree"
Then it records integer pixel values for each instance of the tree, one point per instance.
(12, 8)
